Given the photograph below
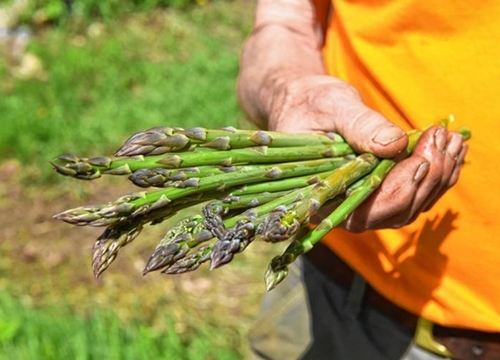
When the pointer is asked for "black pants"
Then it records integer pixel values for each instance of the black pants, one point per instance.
(311, 317)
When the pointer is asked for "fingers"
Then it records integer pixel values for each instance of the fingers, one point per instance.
(415, 184)
(432, 149)
(393, 198)
(455, 156)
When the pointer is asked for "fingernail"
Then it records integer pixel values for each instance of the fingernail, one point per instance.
(440, 139)
(454, 145)
(421, 172)
(388, 136)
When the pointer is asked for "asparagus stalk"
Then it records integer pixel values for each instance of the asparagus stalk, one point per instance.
(283, 223)
(159, 177)
(235, 240)
(142, 203)
(183, 177)
(185, 235)
(89, 169)
(218, 226)
(278, 267)
(160, 140)
(282, 185)
(109, 242)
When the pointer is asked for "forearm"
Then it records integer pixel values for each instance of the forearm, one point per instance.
(284, 45)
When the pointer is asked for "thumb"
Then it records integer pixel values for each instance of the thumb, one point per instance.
(368, 131)
(325, 103)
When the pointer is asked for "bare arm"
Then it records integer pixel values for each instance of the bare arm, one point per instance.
(285, 44)
(283, 86)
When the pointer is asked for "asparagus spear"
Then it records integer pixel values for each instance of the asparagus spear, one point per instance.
(281, 185)
(218, 226)
(235, 240)
(89, 169)
(185, 235)
(142, 203)
(160, 140)
(109, 242)
(160, 177)
(190, 262)
(284, 222)
(278, 267)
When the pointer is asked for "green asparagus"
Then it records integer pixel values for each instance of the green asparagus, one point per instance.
(248, 184)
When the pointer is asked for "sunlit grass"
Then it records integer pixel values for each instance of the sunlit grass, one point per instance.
(54, 332)
(104, 80)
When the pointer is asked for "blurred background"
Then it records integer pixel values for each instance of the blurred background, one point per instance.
(81, 76)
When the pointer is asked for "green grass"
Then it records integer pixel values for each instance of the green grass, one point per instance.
(56, 11)
(104, 82)
(57, 333)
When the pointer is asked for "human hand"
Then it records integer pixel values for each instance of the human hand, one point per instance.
(323, 103)
(415, 184)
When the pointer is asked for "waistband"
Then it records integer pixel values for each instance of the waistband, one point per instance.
(463, 344)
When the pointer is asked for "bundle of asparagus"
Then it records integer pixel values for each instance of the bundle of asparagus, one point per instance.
(249, 183)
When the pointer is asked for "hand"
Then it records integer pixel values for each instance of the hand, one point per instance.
(414, 185)
(323, 103)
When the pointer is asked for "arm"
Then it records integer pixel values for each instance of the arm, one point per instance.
(284, 44)
(283, 86)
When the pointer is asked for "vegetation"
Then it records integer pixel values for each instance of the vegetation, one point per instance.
(58, 11)
(55, 333)
(98, 77)
(143, 70)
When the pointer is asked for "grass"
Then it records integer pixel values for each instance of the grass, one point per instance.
(101, 82)
(104, 82)
(58, 333)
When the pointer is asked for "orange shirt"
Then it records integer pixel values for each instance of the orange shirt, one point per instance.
(417, 62)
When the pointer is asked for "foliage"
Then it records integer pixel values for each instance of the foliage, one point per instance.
(103, 79)
(55, 333)
(106, 81)
(57, 11)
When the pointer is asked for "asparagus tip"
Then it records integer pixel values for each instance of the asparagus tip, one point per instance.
(219, 259)
(274, 276)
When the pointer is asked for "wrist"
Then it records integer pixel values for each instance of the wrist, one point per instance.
(265, 73)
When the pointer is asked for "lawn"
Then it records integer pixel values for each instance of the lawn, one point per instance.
(99, 80)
